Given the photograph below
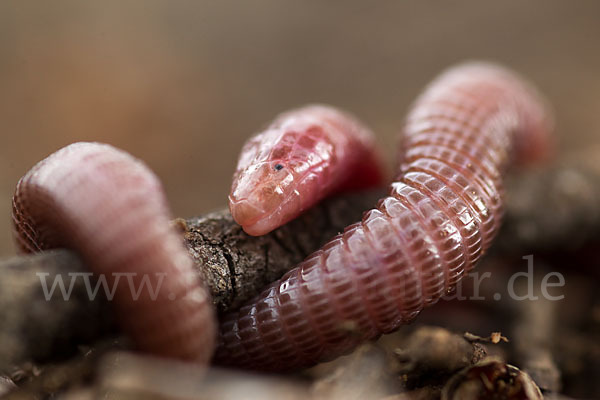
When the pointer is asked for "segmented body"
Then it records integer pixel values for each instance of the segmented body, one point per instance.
(302, 157)
(110, 208)
(441, 214)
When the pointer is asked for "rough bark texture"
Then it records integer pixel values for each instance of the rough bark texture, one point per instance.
(236, 266)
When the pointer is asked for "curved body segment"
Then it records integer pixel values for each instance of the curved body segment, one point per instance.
(440, 216)
(109, 207)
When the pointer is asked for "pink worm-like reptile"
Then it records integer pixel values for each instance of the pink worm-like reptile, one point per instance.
(440, 216)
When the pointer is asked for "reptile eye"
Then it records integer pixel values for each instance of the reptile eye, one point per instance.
(278, 167)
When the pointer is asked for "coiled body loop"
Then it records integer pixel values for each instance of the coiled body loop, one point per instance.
(441, 214)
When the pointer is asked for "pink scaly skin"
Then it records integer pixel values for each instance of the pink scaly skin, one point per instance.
(302, 157)
(440, 216)
(111, 208)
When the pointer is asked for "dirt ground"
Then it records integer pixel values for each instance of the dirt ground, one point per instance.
(183, 84)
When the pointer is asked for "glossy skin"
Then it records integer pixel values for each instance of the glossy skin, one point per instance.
(302, 157)
(440, 216)
(111, 208)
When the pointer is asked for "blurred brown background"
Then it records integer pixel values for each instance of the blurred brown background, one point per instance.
(182, 84)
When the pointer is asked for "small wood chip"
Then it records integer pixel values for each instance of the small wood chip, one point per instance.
(495, 338)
